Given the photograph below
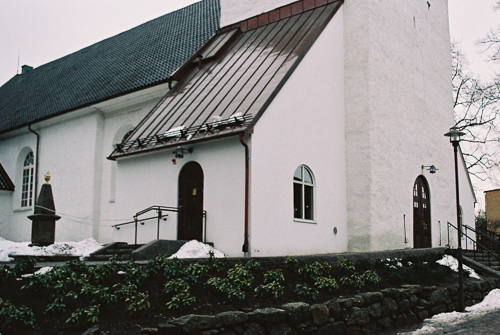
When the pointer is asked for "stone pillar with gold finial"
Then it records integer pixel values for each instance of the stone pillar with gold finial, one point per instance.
(43, 227)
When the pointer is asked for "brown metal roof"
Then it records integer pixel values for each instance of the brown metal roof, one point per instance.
(227, 85)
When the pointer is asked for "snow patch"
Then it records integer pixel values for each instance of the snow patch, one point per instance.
(196, 249)
(452, 263)
(81, 249)
(441, 321)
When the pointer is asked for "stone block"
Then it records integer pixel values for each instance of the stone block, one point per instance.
(389, 306)
(298, 312)
(335, 309)
(358, 316)
(403, 306)
(358, 301)
(411, 318)
(385, 323)
(336, 328)
(438, 309)
(354, 330)
(232, 318)
(375, 310)
(370, 328)
(319, 314)
(345, 303)
(191, 323)
(254, 329)
(271, 315)
(372, 297)
(281, 329)
(391, 292)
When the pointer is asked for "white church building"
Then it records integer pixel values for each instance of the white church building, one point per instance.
(264, 127)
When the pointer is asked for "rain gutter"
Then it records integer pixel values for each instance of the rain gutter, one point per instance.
(245, 247)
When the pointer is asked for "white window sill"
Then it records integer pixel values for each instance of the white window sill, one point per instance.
(23, 209)
(305, 221)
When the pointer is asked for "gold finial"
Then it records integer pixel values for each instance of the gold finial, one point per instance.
(47, 177)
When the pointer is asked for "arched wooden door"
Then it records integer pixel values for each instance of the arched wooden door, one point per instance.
(190, 220)
(421, 214)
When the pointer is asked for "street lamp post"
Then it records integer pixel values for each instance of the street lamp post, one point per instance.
(454, 134)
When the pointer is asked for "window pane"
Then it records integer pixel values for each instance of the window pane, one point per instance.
(297, 201)
(307, 176)
(309, 203)
(298, 174)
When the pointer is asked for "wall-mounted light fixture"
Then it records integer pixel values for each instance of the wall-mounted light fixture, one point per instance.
(431, 168)
(179, 151)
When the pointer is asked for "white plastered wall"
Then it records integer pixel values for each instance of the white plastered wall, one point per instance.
(14, 224)
(73, 147)
(303, 125)
(152, 179)
(117, 122)
(467, 202)
(398, 106)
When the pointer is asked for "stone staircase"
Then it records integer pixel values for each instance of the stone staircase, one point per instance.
(482, 256)
(122, 249)
(137, 252)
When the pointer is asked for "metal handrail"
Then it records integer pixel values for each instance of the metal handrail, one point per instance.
(160, 210)
(476, 244)
(483, 235)
(486, 232)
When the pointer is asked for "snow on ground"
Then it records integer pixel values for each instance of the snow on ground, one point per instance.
(195, 249)
(441, 321)
(452, 262)
(81, 248)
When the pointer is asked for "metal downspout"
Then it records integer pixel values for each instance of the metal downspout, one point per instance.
(36, 163)
(247, 181)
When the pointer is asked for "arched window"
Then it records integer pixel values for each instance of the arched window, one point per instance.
(27, 181)
(303, 193)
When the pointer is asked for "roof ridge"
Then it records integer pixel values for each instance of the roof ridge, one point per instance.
(277, 14)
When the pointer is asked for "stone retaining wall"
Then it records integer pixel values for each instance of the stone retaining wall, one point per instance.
(364, 313)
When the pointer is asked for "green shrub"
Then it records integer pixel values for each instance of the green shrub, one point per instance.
(83, 316)
(24, 265)
(196, 272)
(272, 286)
(14, 318)
(306, 291)
(176, 285)
(174, 268)
(252, 266)
(273, 290)
(346, 265)
(326, 283)
(290, 262)
(6, 274)
(310, 272)
(181, 301)
(138, 302)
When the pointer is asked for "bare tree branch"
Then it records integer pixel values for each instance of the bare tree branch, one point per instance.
(476, 107)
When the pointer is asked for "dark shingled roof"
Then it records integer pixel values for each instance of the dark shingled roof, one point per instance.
(138, 58)
(5, 183)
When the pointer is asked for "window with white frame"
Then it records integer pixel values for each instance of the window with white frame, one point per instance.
(27, 182)
(303, 194)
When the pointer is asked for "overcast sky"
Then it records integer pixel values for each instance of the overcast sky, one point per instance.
(39, 31)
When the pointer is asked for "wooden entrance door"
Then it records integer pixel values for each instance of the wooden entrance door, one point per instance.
(190, 224)
(421, 214)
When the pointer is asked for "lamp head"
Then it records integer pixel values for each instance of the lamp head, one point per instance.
(455, 135)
